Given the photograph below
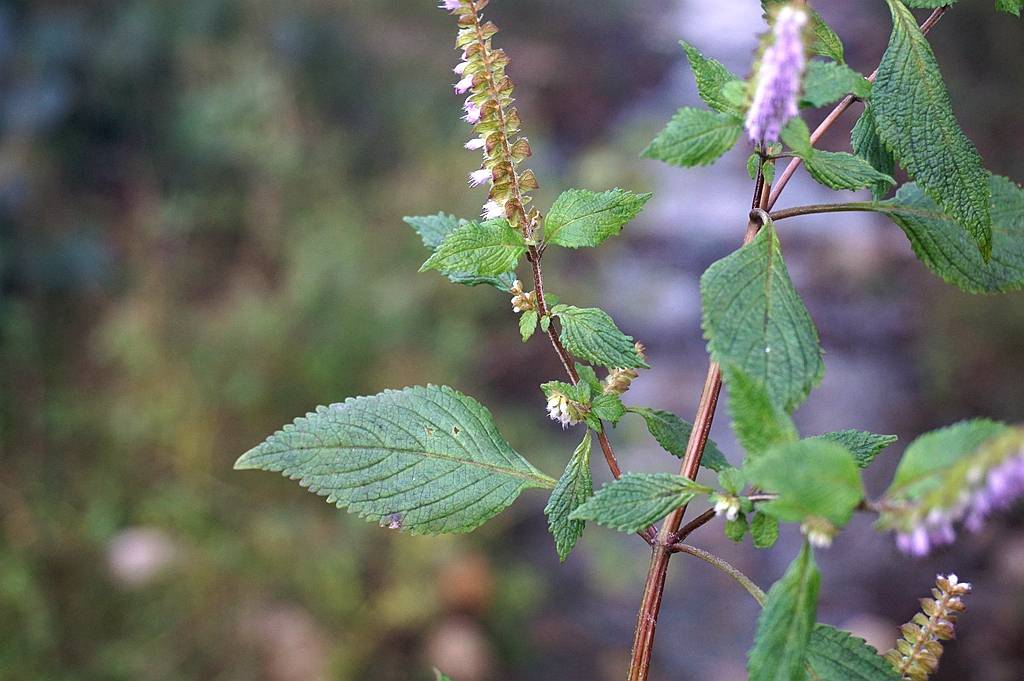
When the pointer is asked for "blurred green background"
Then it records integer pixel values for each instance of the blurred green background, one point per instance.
(201, 238)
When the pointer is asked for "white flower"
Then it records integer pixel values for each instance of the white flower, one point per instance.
(493, 210)
(728, 506)
(560, 410)
(475, 143)
(478, 177)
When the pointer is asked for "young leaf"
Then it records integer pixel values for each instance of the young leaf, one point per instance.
(695, 137)
(672, 433)
(636, 500)
(863, 445)
(736, 529)
(433, 229)
(427, 460)
(826, 82)
(438, 676)
(839, 170)
(811, 478)
(835, 655)
(836, 170)
(608, 408)
(785, 624)
(591, 334)
(573, 489)
(758, 423)
(940, 243)
(915, 119)
(711, 77)
(754, 319)
(580, 218)
(528, 324)
(866, 144)
(479, 248)
(765, 530)
(589, 376)
(933, 452)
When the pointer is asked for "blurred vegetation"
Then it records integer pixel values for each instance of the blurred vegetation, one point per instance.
(200, 238)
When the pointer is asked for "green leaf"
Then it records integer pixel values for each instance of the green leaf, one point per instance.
(589, 376)
(591, 334)
(754, 319)
(812, 478)
(836, 170)
(427, 460)
(577, 393)
(479, 248)
(824, 40)
(915, 119)
(732, 480)
(608, 408)
(434, 228)
(573, 489)
(785, 624)
(672, 433)
(765, 530)
(636, 500)
(835, 655)
(581, 218)
(711, 77)
(528, 324)
(826, 82)
(928, 4)
(1013, 7)
(839, 170)
(735, 530)
(438, 676)
(695, 137)
(940, 243)
(866, 144)
(936, 451)
(758, 423)
(863, 445)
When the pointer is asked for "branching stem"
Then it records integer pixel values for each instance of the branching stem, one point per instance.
(710, 558)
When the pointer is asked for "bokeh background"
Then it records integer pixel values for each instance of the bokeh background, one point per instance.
(201, 238)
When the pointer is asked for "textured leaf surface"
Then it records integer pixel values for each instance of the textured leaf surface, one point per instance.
(835, 655)
(428, 460)
(835, 170)
(479, 248)
(935, 451)
(812, 478)
(866, 144)
(754, 319)
(863, 445)
(636, 500)
(672, 433)
(433, 229)
(785, 624)
(591, 334)
(711, 76)
(826, 82)
(765, 530)
(915, 119)
(940, 243)
(581, 218)
(528, 324)
(573, 489)
(695, 137)
(758, 423)
(1013, 7)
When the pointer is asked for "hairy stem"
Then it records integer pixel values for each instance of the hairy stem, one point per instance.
(815, 208)
(710, 558)
(834, 115)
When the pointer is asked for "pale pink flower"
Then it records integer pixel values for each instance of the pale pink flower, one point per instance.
(450, 5)
(475, 143)
(464, 85)
(493, 210)
(472, 113)
(478, 177)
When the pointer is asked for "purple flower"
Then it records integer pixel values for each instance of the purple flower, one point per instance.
(460, 68)
(463, 86)
(472, 113)
(778, 79)
(450, 5)
(478, 177)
